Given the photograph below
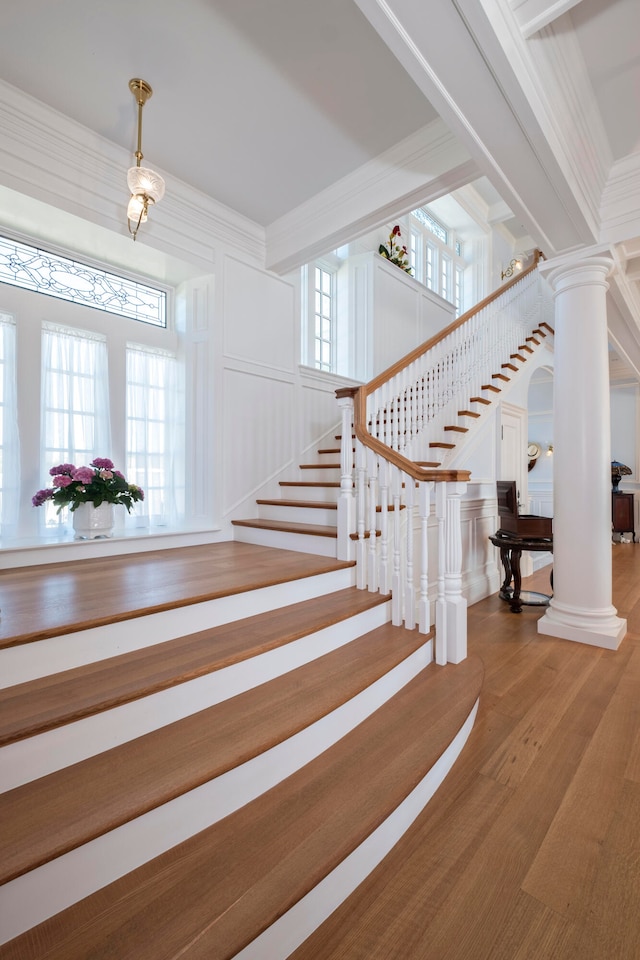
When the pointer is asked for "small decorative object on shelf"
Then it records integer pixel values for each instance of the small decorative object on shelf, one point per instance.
(393, 252)
(90, 493)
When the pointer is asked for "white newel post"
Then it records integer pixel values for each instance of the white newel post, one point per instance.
(441, 606)
(455, 603)
(581, 608)
(346, 521)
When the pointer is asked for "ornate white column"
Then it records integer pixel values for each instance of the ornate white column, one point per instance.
(581, 608)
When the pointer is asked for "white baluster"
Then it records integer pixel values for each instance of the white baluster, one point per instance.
(361, 493)
(384, 578)
(372, 566)
(396, 576)
(441, 606)
(346, 514)
(424, 498)
(409, 588)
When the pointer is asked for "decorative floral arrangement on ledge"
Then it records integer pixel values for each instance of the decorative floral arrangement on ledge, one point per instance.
(394, 252)
(98, 483)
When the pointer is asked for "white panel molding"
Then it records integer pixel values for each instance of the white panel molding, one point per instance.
(41, 150)
(427, 165)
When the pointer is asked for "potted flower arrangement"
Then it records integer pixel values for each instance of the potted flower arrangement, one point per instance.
(394, 252)
(90, 493)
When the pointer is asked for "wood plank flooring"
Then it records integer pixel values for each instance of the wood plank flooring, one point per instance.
(531, 848)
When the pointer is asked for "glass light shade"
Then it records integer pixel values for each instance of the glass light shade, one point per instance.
(135, 208)
(144, 180)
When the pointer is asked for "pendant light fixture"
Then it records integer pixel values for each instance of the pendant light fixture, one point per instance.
(145, 185)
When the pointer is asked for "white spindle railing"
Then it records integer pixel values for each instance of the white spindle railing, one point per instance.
(387, 498)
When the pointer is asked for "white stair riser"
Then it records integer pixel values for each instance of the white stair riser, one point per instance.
(37, 756)
(33, 660)
(298, 514)
(319, 474)
(283, 540)
(330, 494)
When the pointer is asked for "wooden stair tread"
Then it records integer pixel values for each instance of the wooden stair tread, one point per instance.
(31, 708)
(60, 598)
(549, 328)
(311, 504)
(431, 464)
(468, 413)
(479, 400)
(286, 526)
(456, 429)
(211, 895)
(524, 346)
(319, 466)
(518, 356)
(509, 366)
(441, 445)
(532, 340)
(114, 787)
(491, 386)
(326, 484)
(501, 376)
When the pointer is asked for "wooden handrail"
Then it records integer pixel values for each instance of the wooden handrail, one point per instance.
(429, 344)
(361, 393)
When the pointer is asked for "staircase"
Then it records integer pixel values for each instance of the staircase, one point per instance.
(218, 793)
(305, 517)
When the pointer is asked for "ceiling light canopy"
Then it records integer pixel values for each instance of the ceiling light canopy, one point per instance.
(145, 185)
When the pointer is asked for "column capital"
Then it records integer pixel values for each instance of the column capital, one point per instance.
(578, 272)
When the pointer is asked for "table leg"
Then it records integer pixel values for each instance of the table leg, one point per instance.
(516, 606)
(505, 589)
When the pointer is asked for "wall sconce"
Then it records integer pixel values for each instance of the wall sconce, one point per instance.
(550, 450)
(514, 266)
(145, 185)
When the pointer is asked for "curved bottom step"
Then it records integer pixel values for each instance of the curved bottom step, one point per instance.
(300, 845)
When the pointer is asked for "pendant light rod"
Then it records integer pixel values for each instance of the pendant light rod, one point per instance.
(145, 185)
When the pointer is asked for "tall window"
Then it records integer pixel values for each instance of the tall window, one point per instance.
(154, 452)
(9, 454)
(75, 403)
(441, 266)
(324, 315)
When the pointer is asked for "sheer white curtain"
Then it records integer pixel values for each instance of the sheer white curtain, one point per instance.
(155, 435)
(75, 403)
(9, 444)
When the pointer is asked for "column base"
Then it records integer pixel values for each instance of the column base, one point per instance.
(597, 628)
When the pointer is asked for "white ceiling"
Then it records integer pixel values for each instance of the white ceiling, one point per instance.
(266, 106)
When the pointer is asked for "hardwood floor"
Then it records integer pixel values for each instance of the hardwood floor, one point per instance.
(531, 848)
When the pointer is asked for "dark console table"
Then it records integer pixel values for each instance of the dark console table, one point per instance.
(622, 514)
(511, 548)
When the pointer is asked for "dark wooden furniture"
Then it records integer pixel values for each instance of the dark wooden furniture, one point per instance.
(623, 513)
(518, 532)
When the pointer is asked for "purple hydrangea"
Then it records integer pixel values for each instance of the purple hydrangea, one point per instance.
(62, 468)
(83, 475)
(62, 480)
(102, 463)
(41, 497)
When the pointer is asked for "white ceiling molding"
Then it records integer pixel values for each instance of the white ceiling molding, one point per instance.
(554, 78)
(620, 210)
(478, 93)
(424, 166)
(43, 155)
(533, 15)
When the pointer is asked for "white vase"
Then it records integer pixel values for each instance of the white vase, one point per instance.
(91, 523)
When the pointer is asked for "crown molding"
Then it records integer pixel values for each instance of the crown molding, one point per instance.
(620, 209)
(45, 155)
(552, 73)
(424, 166)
